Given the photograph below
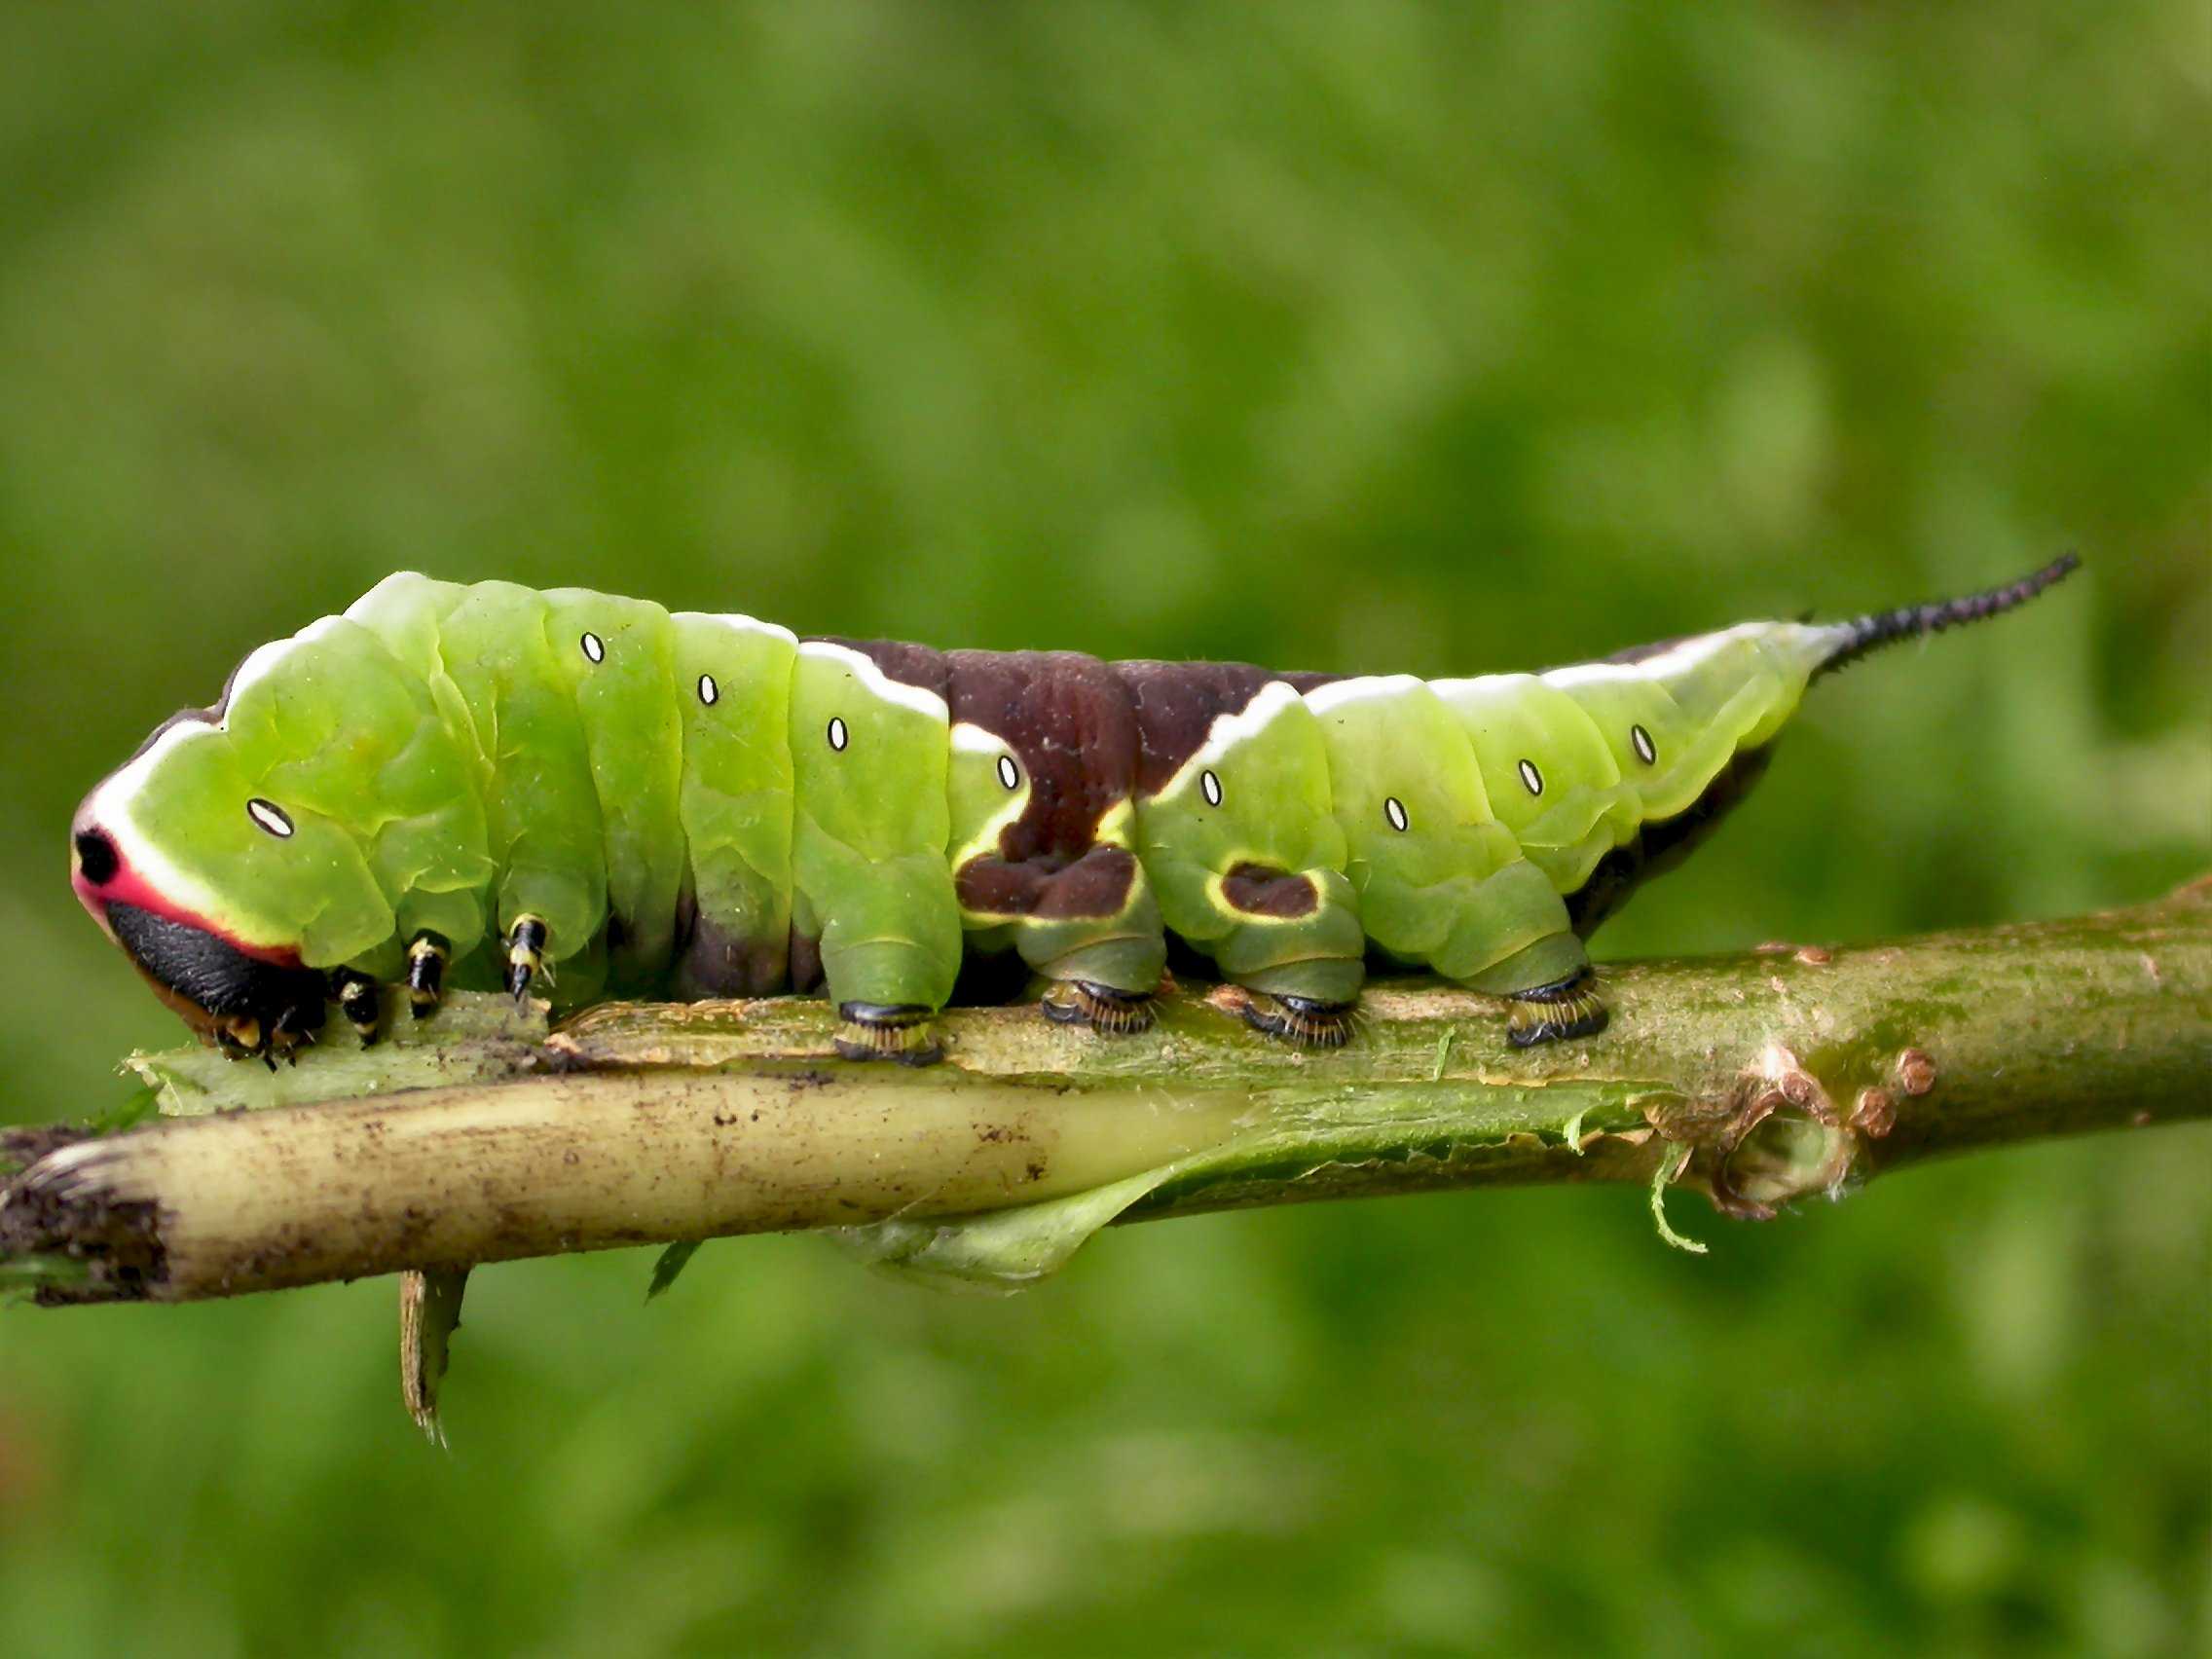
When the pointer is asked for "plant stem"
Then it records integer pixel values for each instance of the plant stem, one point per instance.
(479, 1138)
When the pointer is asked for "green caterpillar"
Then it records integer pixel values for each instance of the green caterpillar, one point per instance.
(587, 795)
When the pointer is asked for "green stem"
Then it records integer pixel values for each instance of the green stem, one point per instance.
(478, 1137)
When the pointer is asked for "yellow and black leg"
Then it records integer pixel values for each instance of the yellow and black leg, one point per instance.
(1554, 1012)
(1095, 936)
(239, 1038)
(1310, 1021)
(526, 956)
(427, 959)
(289, 1033)
(357, 1001)
(891, 948)
(1297, 952)
(905, 1032)
(1514, 941)
(1106, 1009)
(244, 1037)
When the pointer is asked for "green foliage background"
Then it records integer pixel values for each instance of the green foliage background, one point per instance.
(1337, 336)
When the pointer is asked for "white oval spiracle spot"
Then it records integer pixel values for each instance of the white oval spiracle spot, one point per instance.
(1531, 778)
(709, 692)
(1646, 750)
(1210, 785)
(270, 817)
(838, 735)
(1008, 773)
(1394, 810)
(594, 646)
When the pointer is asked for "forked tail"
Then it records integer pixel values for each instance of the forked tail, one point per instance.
(1854, 640)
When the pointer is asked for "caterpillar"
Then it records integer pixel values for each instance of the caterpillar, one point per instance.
(582, 796)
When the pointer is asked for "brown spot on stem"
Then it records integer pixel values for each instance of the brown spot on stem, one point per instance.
(1230, 999)
(1916, 1072)
(1875, 1114)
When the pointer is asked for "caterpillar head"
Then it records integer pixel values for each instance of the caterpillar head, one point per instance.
(228, 892)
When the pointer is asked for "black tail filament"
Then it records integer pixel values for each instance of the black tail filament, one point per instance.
(1915, 622)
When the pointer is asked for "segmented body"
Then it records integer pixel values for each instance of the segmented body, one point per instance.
(704, 806)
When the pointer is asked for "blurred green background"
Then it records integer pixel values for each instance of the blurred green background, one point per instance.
(1334, 336)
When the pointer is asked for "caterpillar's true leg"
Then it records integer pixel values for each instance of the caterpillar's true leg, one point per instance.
(239, 1038)
(243, 1037)
(288, 1037)
(526, 955)
(357, 1001)
(426, 958)
(1551, 1014)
